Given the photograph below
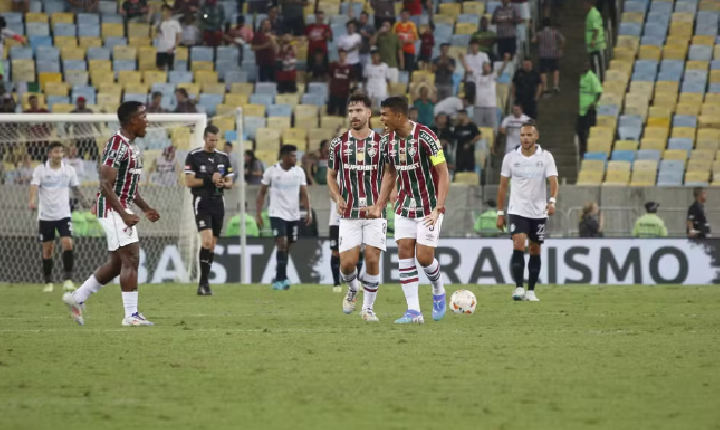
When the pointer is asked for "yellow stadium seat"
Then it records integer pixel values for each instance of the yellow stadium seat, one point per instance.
(626, 145)
(252, 109)
(294, 134)
(450, 9)
(61, 41)
(72, 53)
(333, 123)
(146, 53)
(63, 107)
(695, 98)
(708, 145)
(193, 89)
(636, 108)
(90, 41)
(61, 17)
(138, 29)
(598, 165)
(36, 17)
(463, 27)
(278, 122)
(659, 116)
(267, 156)
(643, 88)
(675, 154)
(688, 108)
(603, 132)
(704, 154)
(617, 178)
(136, 87)
(589, 177)
(656, 132)
(224, 109)
(110, 87)
(623, 55)
(329, 8)
(622, 66)
(709, 6)
(697, 176)
(236, 99)
(664, 102)
(444, 19)
(213, 87)
(649, 52)
(617, 75)
(302, 110)
(473, 8)
(139, 41)
(320, 134)
(266, 136)
(659, 122)
(112, 29)
(631, 43)
(205, 76)
(287, 99)
(674, 52)
(129, 76)
(709, 122)
(123, 52)
(615, 87)
(708, 135)
(635, 17)
(101, 77)
(667, 87)
(56, 88)
(685, 132)
(609, 98)
(683, 17)
(645, 166)
(607, 121)
(203, 66)
(104, 66)
(224, 124)
(23, 70)
(655, 143)
(600, 144)
(714, 76)
(47, 77)
(697, 65)
(716, 52)
(246, 88)
(104, 99)
(154, 77)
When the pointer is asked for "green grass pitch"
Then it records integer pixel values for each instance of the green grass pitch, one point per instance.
(586, 357)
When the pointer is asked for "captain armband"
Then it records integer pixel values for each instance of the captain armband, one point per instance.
(438, 159)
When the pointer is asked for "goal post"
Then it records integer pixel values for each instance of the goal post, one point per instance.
(171, 244)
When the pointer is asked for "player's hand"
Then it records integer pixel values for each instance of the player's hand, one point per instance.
(341, 206)
(500, 222)
(259, 220)
(33, 206)
(431, 219)
(308, 218)
(550, 209)
(152, 215)
(130, 219)
(217, 179)
(374, 211)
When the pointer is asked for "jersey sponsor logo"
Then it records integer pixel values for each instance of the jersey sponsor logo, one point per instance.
(411, 148)
(135, 171)
(408, 167)
(203, 169)
(359, 167)
(221, 169)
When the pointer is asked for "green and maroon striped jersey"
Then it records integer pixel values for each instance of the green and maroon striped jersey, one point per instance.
(414, 158)
(121, 154)
(360, 166)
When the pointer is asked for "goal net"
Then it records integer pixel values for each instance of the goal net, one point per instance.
(168, 247)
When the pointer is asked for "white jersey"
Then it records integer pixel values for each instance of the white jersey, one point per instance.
(512, 128)
(284, 191)
(54, 190)
(377, 77)
(527, 181)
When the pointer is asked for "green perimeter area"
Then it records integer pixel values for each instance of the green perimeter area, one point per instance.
(586, 357)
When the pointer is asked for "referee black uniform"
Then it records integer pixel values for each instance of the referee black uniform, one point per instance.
(696, 216)
(208, 201)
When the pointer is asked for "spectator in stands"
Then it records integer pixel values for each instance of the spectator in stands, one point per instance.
(595, 38)
(318, 34)
(86, 6)
(212, 16)
(527, 88)
(408, 35)
(427, 43)
(591, 221)
(239, 36)
(276, 21)
(155, 104)
(293, 14)
(466, 135)
(257, 6)
(425, 106)
(415, 7)
(650, 225)
(23, 174)
(450, 106)
(190, 31)
(318, 70)
(472, 63)
(551, 44)
(86, 144)
(316, 164)
(285, 75)
(366, 31)
(169, 35)
(166, 168)
(485, 110)
(444, 68)
(264, 46)
(7, 102)
(444, 132)
(253, 168)
(75, 161)
(413, 114)
(341, 75)
(486, 222)
(41, 132)
(4, 32)
(391, 53)
(378, 77)
(590, 92)
(505, 18)
(511, 126)
(228, 149)
(485, 39)
(184, 103)
(351, 42)
(384, 12)
(134, 10)
(697, 223)
(186, 7)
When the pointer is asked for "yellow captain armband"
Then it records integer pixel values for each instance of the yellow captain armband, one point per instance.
(438, 159)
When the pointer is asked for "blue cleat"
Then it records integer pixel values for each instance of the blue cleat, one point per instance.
(439, 306)
(411, 317)
(286, 284)
(278, 285)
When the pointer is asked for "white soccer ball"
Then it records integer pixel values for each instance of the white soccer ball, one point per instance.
(463, 302)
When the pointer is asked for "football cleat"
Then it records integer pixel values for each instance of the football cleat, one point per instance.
(337, 289)
(136, 320)
(369, 316)
(411, 317)
(530, 296)
(204, 290)
(349, 301)
(518, 294)
(48, 288)
(278, 285)
(76, 309)
(439, 306)
(68, 285)
(286, 284)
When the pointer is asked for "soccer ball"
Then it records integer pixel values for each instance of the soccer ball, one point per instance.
(463, 302)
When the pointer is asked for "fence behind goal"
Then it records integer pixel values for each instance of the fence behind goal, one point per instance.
(23, 142)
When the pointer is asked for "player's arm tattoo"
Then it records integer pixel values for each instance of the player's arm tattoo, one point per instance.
(141, 203)
(79, 195)
(108, 175)
(502, 191)
(388, 182)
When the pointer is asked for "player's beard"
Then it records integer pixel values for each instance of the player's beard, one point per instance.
(361, 124)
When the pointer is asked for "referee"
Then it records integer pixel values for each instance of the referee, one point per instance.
(208, 173)
(697, 224)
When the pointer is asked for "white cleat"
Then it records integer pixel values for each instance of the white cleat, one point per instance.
(76, 309)
(530, 296)
(349, 301)
(136, 320)
(369, 316)
(68, 285)
(518, 294)
(337, 289)
(48, 288)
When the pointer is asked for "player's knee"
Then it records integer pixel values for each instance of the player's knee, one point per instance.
(67, 244)
(425, 259)
(534, 248)
(281, 244)
(130, 260)
(347, 267)
(519, 242)
(47, 251)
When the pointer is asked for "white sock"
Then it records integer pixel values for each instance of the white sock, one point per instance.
(130, 302)
(409, 282)
(372, 282)
(433, 273)
(90, 286)
(351, 279)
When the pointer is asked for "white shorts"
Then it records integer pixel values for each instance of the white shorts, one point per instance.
(393, 74)
(334, 215)
(355, 232)
(118, 234)
(414, 228)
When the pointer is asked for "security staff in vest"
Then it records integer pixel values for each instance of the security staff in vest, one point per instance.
(650, 225)
(590, 92)
(697, 224)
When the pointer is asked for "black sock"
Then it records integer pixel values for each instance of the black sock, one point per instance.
(517, 263)
(204, 265)
(335, 267)
(281, 259)
(47, 270)
(361, 257)
(534, 269)
(68, 262)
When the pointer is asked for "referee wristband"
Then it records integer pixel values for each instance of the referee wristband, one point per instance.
(500, 213)
(552, 200)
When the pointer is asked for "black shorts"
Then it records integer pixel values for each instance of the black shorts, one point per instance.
(209, 214)
(549, 65)
(47, 229)
(334, 237)
(534, 228)
(506, 45)
(163, 59)
(282, 228)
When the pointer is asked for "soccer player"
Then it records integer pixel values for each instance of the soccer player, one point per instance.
(357, 160)
(527, 167)
(334, 225)
(120, 168)
(288, 188)
(53, 179)
(416, 161)
(208, 173)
